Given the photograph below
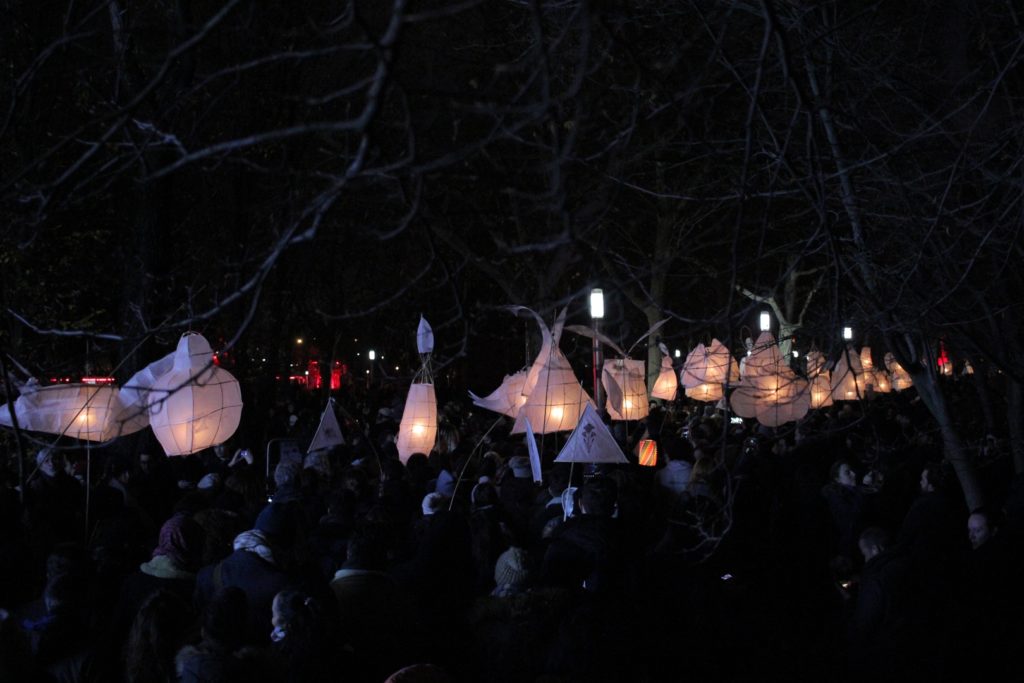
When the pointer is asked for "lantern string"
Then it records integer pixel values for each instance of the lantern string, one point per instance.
(469, 459)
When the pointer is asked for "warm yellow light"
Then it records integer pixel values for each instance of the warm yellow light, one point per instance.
(627, 404)
(556, 412)
(418, 429)
(299, 340)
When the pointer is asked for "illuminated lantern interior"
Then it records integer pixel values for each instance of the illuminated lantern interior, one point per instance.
(417, 431)
(197, 404)
(666, 386)
(648, 452)
(624, 384)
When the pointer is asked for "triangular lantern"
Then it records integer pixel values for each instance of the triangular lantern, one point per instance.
(197, 404)
(591, 442)
(848, 380)
(623, 381)
(328, 433)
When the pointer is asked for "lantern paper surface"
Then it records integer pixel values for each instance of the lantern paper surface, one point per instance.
(531, 448)
(134, 397)
(666, 386)
(328, 433)
(709, 393)
(418, 430)
(624, 384)
(507, 399)
(81, 411)
(557, 399)
(770, 391)
(648, 452)
(866, 363)
(879, 381)
(848, 381)
(821, 391)
(197, 404)
(900, 377)
(591, 441)
(424, 337)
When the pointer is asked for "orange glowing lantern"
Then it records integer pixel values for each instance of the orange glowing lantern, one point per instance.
(648, 452)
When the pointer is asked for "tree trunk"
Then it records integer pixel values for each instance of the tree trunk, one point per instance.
(1015, 422)
(953, 446)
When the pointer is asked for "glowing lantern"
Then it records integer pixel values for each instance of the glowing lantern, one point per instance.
(944, 363)
(770, 391)
(81, 411)
(648, 452)
(623, 381)
(507, 399)
(968, 368)
(706, 370)
(708, 393)
(196, 404)
(866, 362)
(666, 386)
(900, 377)
(880, 382)
(848, 380)
(556, 401)
(821, 391)
(591, 441)
(418, 430)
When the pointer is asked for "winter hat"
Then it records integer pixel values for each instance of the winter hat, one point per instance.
(520, 465)
(432, 503)
(275, 521)
(511, 568)
(181, 540)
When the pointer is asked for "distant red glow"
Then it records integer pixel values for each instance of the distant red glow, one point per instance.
(315, 381)
(337, 370)
(97, 380)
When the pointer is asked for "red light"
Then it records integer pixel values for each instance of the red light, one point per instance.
(97, 380)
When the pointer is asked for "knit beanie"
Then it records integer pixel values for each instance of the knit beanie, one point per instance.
(511, 568)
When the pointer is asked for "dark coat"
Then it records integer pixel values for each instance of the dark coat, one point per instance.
(879, 623)
(586, 552)
(258, 579)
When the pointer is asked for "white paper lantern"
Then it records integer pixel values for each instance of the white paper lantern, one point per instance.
(557, 399)
(848, 380)
(624, 385)
(706, 392)
(769, 390)
(81, 411)
(418, 430)
(866, 363)
(820, 391)
(900, 377)
(666, 386)
(507, 399)
(197, 404)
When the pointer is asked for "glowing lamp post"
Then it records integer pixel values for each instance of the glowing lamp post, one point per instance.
(372, 355)
(847, 333)
(766, 321)
(596, 313)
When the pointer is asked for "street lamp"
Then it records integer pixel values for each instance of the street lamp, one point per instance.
(847, 333)
(596, 313)
(372, 355)
(766, 321)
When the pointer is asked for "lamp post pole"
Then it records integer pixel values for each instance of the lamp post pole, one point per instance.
(369, 377)
(596, 313)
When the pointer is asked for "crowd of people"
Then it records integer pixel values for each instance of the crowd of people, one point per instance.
(830, 550)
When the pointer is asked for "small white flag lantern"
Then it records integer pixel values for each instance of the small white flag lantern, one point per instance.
(623, 381)
(591, 442)
(328, 433)
(197, 404)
